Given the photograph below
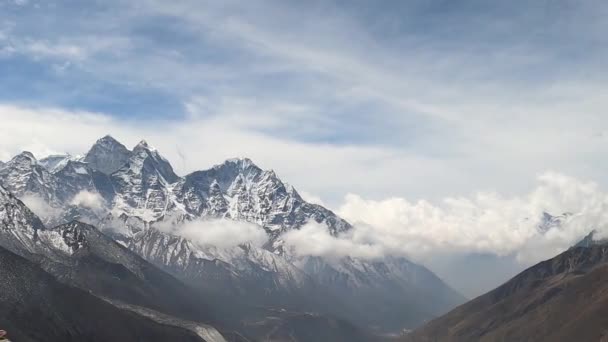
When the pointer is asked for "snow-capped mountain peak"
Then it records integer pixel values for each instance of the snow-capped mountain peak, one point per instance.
(145, 156)
(108, 140)
(107, 155)
(242, 162)
(549, 221)
(25, 157)
(56, 162)
(233, 167)
(143, 144)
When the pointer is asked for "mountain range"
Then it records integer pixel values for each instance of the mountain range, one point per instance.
(106, 225)
(92, 248)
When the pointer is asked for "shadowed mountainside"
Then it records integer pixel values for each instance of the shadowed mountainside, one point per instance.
(34, 306)
(561, 299)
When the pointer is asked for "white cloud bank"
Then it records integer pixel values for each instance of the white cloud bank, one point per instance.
(485, 223)
(220, 233)
(314, 240)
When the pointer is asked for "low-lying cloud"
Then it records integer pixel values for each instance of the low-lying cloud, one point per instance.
(486, 223)
(315, 240)
(89, 200)
(41, 207)
(220, 233)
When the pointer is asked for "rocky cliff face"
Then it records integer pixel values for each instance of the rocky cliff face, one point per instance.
(107, 155)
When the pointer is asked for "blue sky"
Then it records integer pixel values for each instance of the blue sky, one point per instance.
(429, 119)
(149, 58)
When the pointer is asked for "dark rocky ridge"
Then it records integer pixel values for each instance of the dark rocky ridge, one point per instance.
(561, 299)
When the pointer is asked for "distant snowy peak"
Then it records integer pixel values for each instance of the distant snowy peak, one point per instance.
(549, 221)
(143, 144)
(239, 163)
(50, 162)
(227, 172)
(56, 162)
(23, 161)
(146, 156)
(592, 239)
(25, 157)
(74, 167)
(107, 155)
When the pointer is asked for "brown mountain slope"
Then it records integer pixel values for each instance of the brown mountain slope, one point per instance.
(561, 299)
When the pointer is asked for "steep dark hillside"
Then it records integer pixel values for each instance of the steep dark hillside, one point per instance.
(36, 307)
(561, 299)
